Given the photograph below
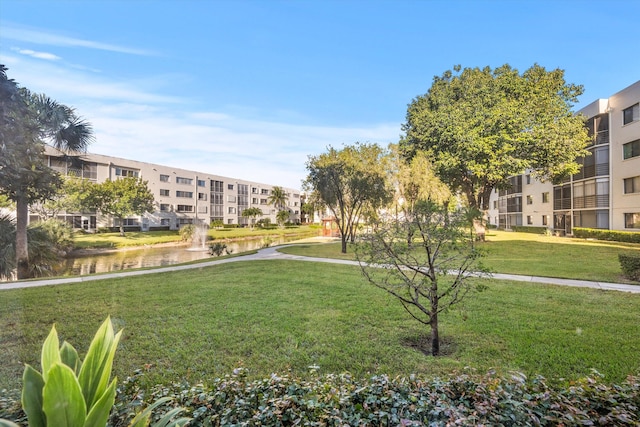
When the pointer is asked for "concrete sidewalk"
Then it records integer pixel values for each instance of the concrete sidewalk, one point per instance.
(272, 253)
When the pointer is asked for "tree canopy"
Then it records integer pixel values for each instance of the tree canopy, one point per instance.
(251, 213)
(349, 182)
(481, 126)
(122, 198)
(278, 198)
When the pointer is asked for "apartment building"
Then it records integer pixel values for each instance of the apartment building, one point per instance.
(604, 194)
(181, 196)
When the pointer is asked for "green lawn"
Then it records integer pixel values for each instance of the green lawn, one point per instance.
(138, 238)
(279, 316)
(527, 254)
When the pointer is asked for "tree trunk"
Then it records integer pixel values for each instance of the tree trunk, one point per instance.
(344, 243)
(22, 247)
(435, 337)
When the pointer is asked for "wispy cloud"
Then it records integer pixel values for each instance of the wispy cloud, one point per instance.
(136, 119)
(220, 144)
(14, 32)
(38, 55)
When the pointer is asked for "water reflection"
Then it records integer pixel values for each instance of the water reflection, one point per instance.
(151, 257)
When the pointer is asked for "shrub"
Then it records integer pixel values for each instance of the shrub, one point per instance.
(630, 264)
(231, 226)
(187, 232)
(380, 400)
(218, 248)
(341, 400)
(611, 235)
(530, 229)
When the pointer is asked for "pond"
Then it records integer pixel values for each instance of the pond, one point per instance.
(154, 256)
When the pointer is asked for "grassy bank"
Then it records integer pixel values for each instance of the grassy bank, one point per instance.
(138, 238)
(275, 316)
(527, 254)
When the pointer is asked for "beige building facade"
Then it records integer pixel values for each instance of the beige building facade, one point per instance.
(605, 194)
(180, 196)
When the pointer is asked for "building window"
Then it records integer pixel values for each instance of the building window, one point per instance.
(202, 196)
(263, 201)
(632, 185)
(181, 180)
(528, 177)
(164, 192)
(128, 222)
(545, 197)
(632, 220)
(264, 191)
(126, 172)
(164, 178)
(254, 190)
(631, 149)
(231, 199)
(202, 209)
(529, 200)
(187, 194)
(185, 208)
(230, 221)
(217, 186)
(165, 207)
(231, 210)
(631, 114)
(201, 183)
(229, 186)
(183, 221)
(166, 222)
(545, 220)
(529, 220)
(495, 204)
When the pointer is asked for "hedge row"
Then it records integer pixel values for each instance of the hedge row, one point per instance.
(339, 400)
(611, 235)
(630, 264)
(530, 229)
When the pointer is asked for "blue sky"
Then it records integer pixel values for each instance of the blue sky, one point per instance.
(249, 89)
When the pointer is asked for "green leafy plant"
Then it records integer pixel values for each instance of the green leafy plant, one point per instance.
(70, 392)
(630, 264)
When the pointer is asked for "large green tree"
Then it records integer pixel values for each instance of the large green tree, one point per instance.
(481, 126)
(29, 121)
(349, 182)
(121, 198)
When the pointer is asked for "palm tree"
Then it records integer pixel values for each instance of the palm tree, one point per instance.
(278, 198)
(24, 176)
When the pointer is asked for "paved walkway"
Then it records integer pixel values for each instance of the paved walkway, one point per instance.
(272, 253)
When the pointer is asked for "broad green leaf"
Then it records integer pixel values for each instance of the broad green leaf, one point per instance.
(96, 369)
(99, 413)
(50, 352)
(142, 419)
(33, 383)
(69, 356)
(64, 404)
(165, 421)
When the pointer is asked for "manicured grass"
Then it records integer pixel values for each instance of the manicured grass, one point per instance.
(275, 316)
(138, 238)
(526, 254)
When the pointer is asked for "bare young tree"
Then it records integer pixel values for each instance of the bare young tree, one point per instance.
(426, 260)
